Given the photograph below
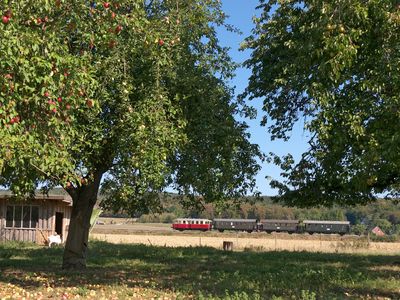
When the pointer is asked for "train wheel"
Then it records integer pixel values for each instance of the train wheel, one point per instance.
(220, 230)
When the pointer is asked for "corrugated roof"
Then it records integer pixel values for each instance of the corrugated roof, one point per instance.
(40, 196)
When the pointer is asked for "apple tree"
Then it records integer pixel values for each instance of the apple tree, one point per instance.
(333, 65)
(128, 97)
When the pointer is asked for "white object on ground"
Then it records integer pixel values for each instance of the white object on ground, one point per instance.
(54, 239)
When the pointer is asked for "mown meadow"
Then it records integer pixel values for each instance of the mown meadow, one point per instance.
(124, 271)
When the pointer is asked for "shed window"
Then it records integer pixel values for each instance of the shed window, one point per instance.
(22, 216)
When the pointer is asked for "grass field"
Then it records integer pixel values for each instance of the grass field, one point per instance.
(122, 271)
(259, 242)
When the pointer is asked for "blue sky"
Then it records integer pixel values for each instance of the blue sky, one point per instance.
(240, 13)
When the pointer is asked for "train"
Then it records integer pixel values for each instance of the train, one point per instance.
(263, 225)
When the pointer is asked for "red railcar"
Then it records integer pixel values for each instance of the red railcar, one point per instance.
(192, 224)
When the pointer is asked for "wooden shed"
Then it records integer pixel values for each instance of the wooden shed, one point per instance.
(34, 220)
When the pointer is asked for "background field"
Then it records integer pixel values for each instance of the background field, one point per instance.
(125, 231)
(126, 271)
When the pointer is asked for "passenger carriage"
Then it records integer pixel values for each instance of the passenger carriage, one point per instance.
(192, 224)
(339, 227)
(248, 225)
(290, 226)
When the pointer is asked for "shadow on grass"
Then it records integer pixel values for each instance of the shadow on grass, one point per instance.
(207, 271)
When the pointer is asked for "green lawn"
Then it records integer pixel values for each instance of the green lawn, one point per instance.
(144, 272)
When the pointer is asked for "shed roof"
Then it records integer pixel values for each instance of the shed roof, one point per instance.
(65, 198)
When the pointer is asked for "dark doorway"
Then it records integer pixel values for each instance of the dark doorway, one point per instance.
(59, 223)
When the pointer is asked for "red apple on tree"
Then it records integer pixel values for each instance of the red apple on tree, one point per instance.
(5, 20)
(118, 29)
(161, 42)
(14, 120)
(106, 4)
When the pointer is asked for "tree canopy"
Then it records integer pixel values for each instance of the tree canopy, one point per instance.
(128, 95)
(334, 65)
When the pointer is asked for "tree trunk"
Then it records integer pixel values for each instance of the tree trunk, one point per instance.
(84, 198)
